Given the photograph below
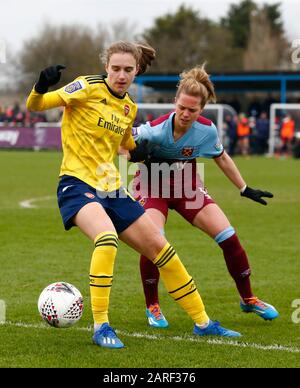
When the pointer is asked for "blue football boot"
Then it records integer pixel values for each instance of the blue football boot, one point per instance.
(156, 317)
(214, 328)
(262, 309)
(106, 337)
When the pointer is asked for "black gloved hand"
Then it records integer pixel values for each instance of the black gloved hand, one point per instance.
(140, 153)
(256, 195)
(48, 77)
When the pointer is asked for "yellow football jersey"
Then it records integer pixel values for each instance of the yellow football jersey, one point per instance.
(95, 123)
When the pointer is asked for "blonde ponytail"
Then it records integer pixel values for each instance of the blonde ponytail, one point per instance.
(196, 82)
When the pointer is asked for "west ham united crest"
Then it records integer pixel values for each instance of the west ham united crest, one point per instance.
(187, 151)
(126, 109)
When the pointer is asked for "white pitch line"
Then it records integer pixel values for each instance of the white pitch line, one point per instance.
(29, 203)
(210, 341)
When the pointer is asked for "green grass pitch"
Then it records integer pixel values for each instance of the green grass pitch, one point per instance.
(35, 251)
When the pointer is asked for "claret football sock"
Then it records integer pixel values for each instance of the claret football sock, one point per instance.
(150, 278)
(101, 275)
(237, 265)
(180, 284)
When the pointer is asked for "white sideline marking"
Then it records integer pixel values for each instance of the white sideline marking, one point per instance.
(29, 203)
(210, 341)
(2, 311)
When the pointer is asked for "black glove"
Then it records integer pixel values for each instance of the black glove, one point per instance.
(140, 153)
(256, 195)
(48, 77)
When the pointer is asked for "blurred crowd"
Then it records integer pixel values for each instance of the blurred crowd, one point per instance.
(250, 135)
(15, 116)
(244, 134)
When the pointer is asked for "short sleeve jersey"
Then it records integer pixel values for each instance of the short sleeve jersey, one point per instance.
(95, 123)
(201, 140)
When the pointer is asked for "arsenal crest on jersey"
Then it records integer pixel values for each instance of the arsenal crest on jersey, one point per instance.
(187, 151)
(126, 109)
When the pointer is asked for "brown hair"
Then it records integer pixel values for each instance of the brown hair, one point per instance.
(143, 53)
(196, 82)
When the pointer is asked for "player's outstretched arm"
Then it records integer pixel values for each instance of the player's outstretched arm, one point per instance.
(229, 168)
(256, 194)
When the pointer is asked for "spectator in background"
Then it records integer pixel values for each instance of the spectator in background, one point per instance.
(27, 119)
(251, 123)
(287, 132)
(38, 118)
(19, 119)
(254, 108)
(9, 114)
(268, 102)
(16, 108)
(230, 125)
(262, 130)
(16, 116)
(1, 114)
(235, 104)
(243, 133)
(296, 145)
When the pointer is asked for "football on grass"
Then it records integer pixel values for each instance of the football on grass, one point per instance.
(60, 304)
